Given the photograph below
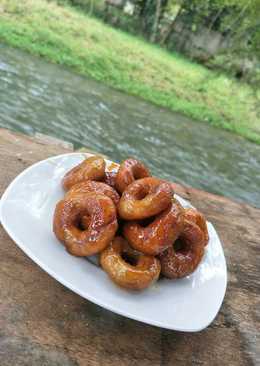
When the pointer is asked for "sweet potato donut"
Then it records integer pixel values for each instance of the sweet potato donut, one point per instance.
(191, 214)
(159, 234)
(145, 198)
(183, 257)
(92, 168)
(96, 187)
(128, 268)
(129, 171)
(97, 230)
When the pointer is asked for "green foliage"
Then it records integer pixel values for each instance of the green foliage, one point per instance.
(239, 20)
(66, 36)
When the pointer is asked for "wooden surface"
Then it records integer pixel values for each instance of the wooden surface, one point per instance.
(43, 323)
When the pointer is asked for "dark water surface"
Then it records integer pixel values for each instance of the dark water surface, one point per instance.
(36, 96)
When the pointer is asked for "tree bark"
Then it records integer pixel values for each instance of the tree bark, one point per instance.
(156, 21)
(167, 34)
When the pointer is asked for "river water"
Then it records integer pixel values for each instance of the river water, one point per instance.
(36, 96)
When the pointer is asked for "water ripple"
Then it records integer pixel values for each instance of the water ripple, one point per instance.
(36, 96)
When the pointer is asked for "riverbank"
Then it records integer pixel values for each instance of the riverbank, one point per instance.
(65, 36)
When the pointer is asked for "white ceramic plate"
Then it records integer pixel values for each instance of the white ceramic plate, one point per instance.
(26, 212)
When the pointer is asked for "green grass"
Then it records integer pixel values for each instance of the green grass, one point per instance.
(65, 36)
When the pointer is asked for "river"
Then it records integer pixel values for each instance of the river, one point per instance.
(36, 96)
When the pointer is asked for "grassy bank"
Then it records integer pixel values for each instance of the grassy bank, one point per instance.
(63, 35)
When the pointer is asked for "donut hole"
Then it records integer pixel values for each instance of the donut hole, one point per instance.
(137, 174)
(83, 222)
(146, 222)
(141, 193)
(129, 259)
(180, 246)
(119, 231)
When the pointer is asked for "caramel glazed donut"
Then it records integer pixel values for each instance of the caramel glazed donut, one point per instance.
(85, 223)
(128, 268)
(193, 215)
(145, 198)
(159, 234)
(90, 186)
(184, 256)
(128, 172)
(92, 168)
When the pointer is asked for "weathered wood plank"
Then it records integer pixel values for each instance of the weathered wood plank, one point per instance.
(43, 323)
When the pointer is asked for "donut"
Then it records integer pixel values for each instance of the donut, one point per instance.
(128, 172)
(145, 198)
(158, 235)
(92, 168)
(95, 187)
(128, 268)
(95, 232)
(191, 214)
(184, 256)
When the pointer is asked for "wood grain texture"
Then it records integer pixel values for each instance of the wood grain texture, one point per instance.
(43, 323)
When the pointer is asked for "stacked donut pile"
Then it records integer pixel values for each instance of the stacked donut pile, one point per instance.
(132, 220)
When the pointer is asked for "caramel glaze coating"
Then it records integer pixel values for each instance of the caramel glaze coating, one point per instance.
(95, 233)
(137, 276)
(158, 235)
(129, 171)
(92, 168)
(193, 215)
(182, 262)
(145, 198)
(96, 187)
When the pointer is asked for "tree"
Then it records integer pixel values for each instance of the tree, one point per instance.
(156, 21)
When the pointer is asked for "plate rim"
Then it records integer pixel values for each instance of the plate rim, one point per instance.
(102, 304)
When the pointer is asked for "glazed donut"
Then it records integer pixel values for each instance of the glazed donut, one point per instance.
(183, 257)
(95, 233)
(129, 171)
(92, 168)
(191, 214)
(159, 234)
(128, 268)
(145, 198)
(96, 187)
